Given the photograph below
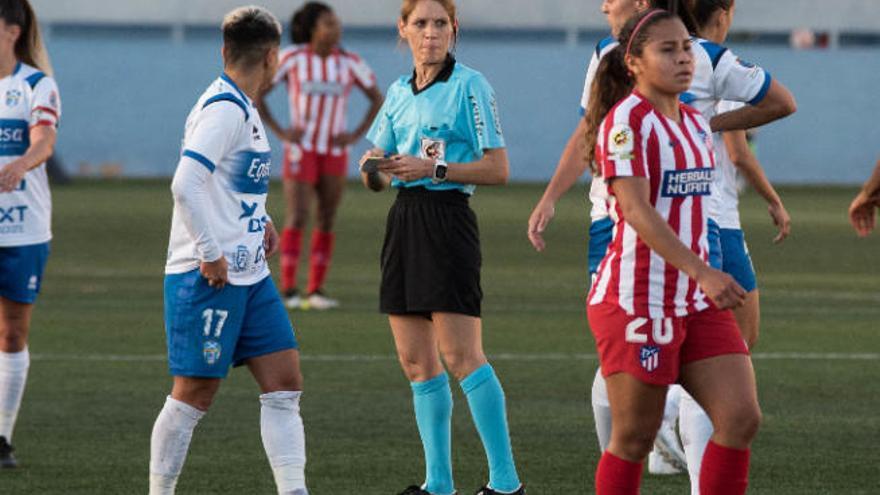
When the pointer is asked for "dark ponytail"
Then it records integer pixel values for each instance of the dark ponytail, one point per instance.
(304, 20)
(613, 81)
(683, 9)
(29, 47)
(704, 10)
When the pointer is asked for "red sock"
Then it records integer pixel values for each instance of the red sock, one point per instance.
(724, 471)
(291, 245)
(616, 476)
(319, 262)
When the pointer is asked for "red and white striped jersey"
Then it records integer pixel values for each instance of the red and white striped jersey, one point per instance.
(635, 140)
(318, 89)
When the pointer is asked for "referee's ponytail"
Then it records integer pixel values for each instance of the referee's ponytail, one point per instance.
(614, 81)
(29, 46)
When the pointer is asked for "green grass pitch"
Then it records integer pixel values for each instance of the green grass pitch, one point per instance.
(99, 378)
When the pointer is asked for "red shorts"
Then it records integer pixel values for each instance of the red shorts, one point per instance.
(309, 166)
(653, 351)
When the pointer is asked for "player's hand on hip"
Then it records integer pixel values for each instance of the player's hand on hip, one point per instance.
(343, 139)
(721, 288)
(782, 221)
(270, 240)
(538, 221)
(293, 134)
(408, 167)
(862, 214)
(216, 272)
(11, 176)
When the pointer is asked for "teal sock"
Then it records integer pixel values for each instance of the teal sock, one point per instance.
(486, 400)
(432, 401)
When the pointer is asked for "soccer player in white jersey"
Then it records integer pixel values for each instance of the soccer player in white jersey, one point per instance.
(319, 75)
(221, 307)
(29, 114)
(720, 75)
(656, 308)
(863, 209)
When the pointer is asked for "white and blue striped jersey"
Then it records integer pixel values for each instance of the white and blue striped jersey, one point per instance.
(224, 134)
(30, 99)
(724, 202)
(718, 75)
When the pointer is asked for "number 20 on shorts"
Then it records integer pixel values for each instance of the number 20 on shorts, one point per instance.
(661, 329)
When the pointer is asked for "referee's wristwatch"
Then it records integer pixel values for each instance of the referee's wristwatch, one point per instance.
(440, 170)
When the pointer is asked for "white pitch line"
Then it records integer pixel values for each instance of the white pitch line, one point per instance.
(342, 358)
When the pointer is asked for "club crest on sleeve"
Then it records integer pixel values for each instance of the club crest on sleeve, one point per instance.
(621, 142)
(649, 357)
(53, 99)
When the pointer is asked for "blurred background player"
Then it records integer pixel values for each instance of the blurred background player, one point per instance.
(863, 209)
(431, 256)
(319, 75)
(221, 306)
(30, 116)
(654, 307)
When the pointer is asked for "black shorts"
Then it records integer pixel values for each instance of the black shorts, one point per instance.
(431, 256)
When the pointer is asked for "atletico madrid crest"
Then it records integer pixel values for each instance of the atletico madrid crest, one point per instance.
(650, 357)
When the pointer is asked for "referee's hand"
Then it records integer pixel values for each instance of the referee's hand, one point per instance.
(216, 272)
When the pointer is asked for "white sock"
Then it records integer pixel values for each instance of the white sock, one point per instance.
(696, 430)
(601, 411)
(284, 440)
(169, 444)
(673, 399)
(13, 375)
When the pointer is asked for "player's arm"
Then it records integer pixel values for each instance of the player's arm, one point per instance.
(291, 135)
(490, 170)
(569, 170)
(745, 161)
(42, 137)
(776, 104)
(633, 196)
(863, 209)
(376, 99)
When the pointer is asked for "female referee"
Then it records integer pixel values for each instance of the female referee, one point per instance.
(319, 76)
(441, 131)
(30, 116)
(654, 307)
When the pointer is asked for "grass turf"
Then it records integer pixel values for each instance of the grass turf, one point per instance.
(86, 419)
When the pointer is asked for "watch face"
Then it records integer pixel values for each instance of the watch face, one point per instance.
(440, 172)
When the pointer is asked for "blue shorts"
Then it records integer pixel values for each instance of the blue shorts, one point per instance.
(728, 252)
(209, 329)
(600, 237)
(21, 271)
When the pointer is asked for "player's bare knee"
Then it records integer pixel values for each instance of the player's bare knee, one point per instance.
(463, 364)
(12, 338)
(417, 370)
(633, 445)
(740, 425)
(299, 219)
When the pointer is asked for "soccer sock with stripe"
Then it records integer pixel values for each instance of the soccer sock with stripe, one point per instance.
(486, 400)
(725, 471)
(281, 427)
(319, 261)
(432, 401)
(616, 476)
(169, 444)
(696, 430)
(13, 376)
(291, 246)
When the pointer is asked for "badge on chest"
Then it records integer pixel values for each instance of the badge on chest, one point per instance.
(433, 149)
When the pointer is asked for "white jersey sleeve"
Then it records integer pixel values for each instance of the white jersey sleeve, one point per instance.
(212, 132)
(738, 80)
(602, 49)
(45, 104)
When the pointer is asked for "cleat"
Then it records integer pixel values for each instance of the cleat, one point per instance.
(317, 300)
(666, 447)
(488, 491)
(7, 459)
(657, 465)
(292, 299)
